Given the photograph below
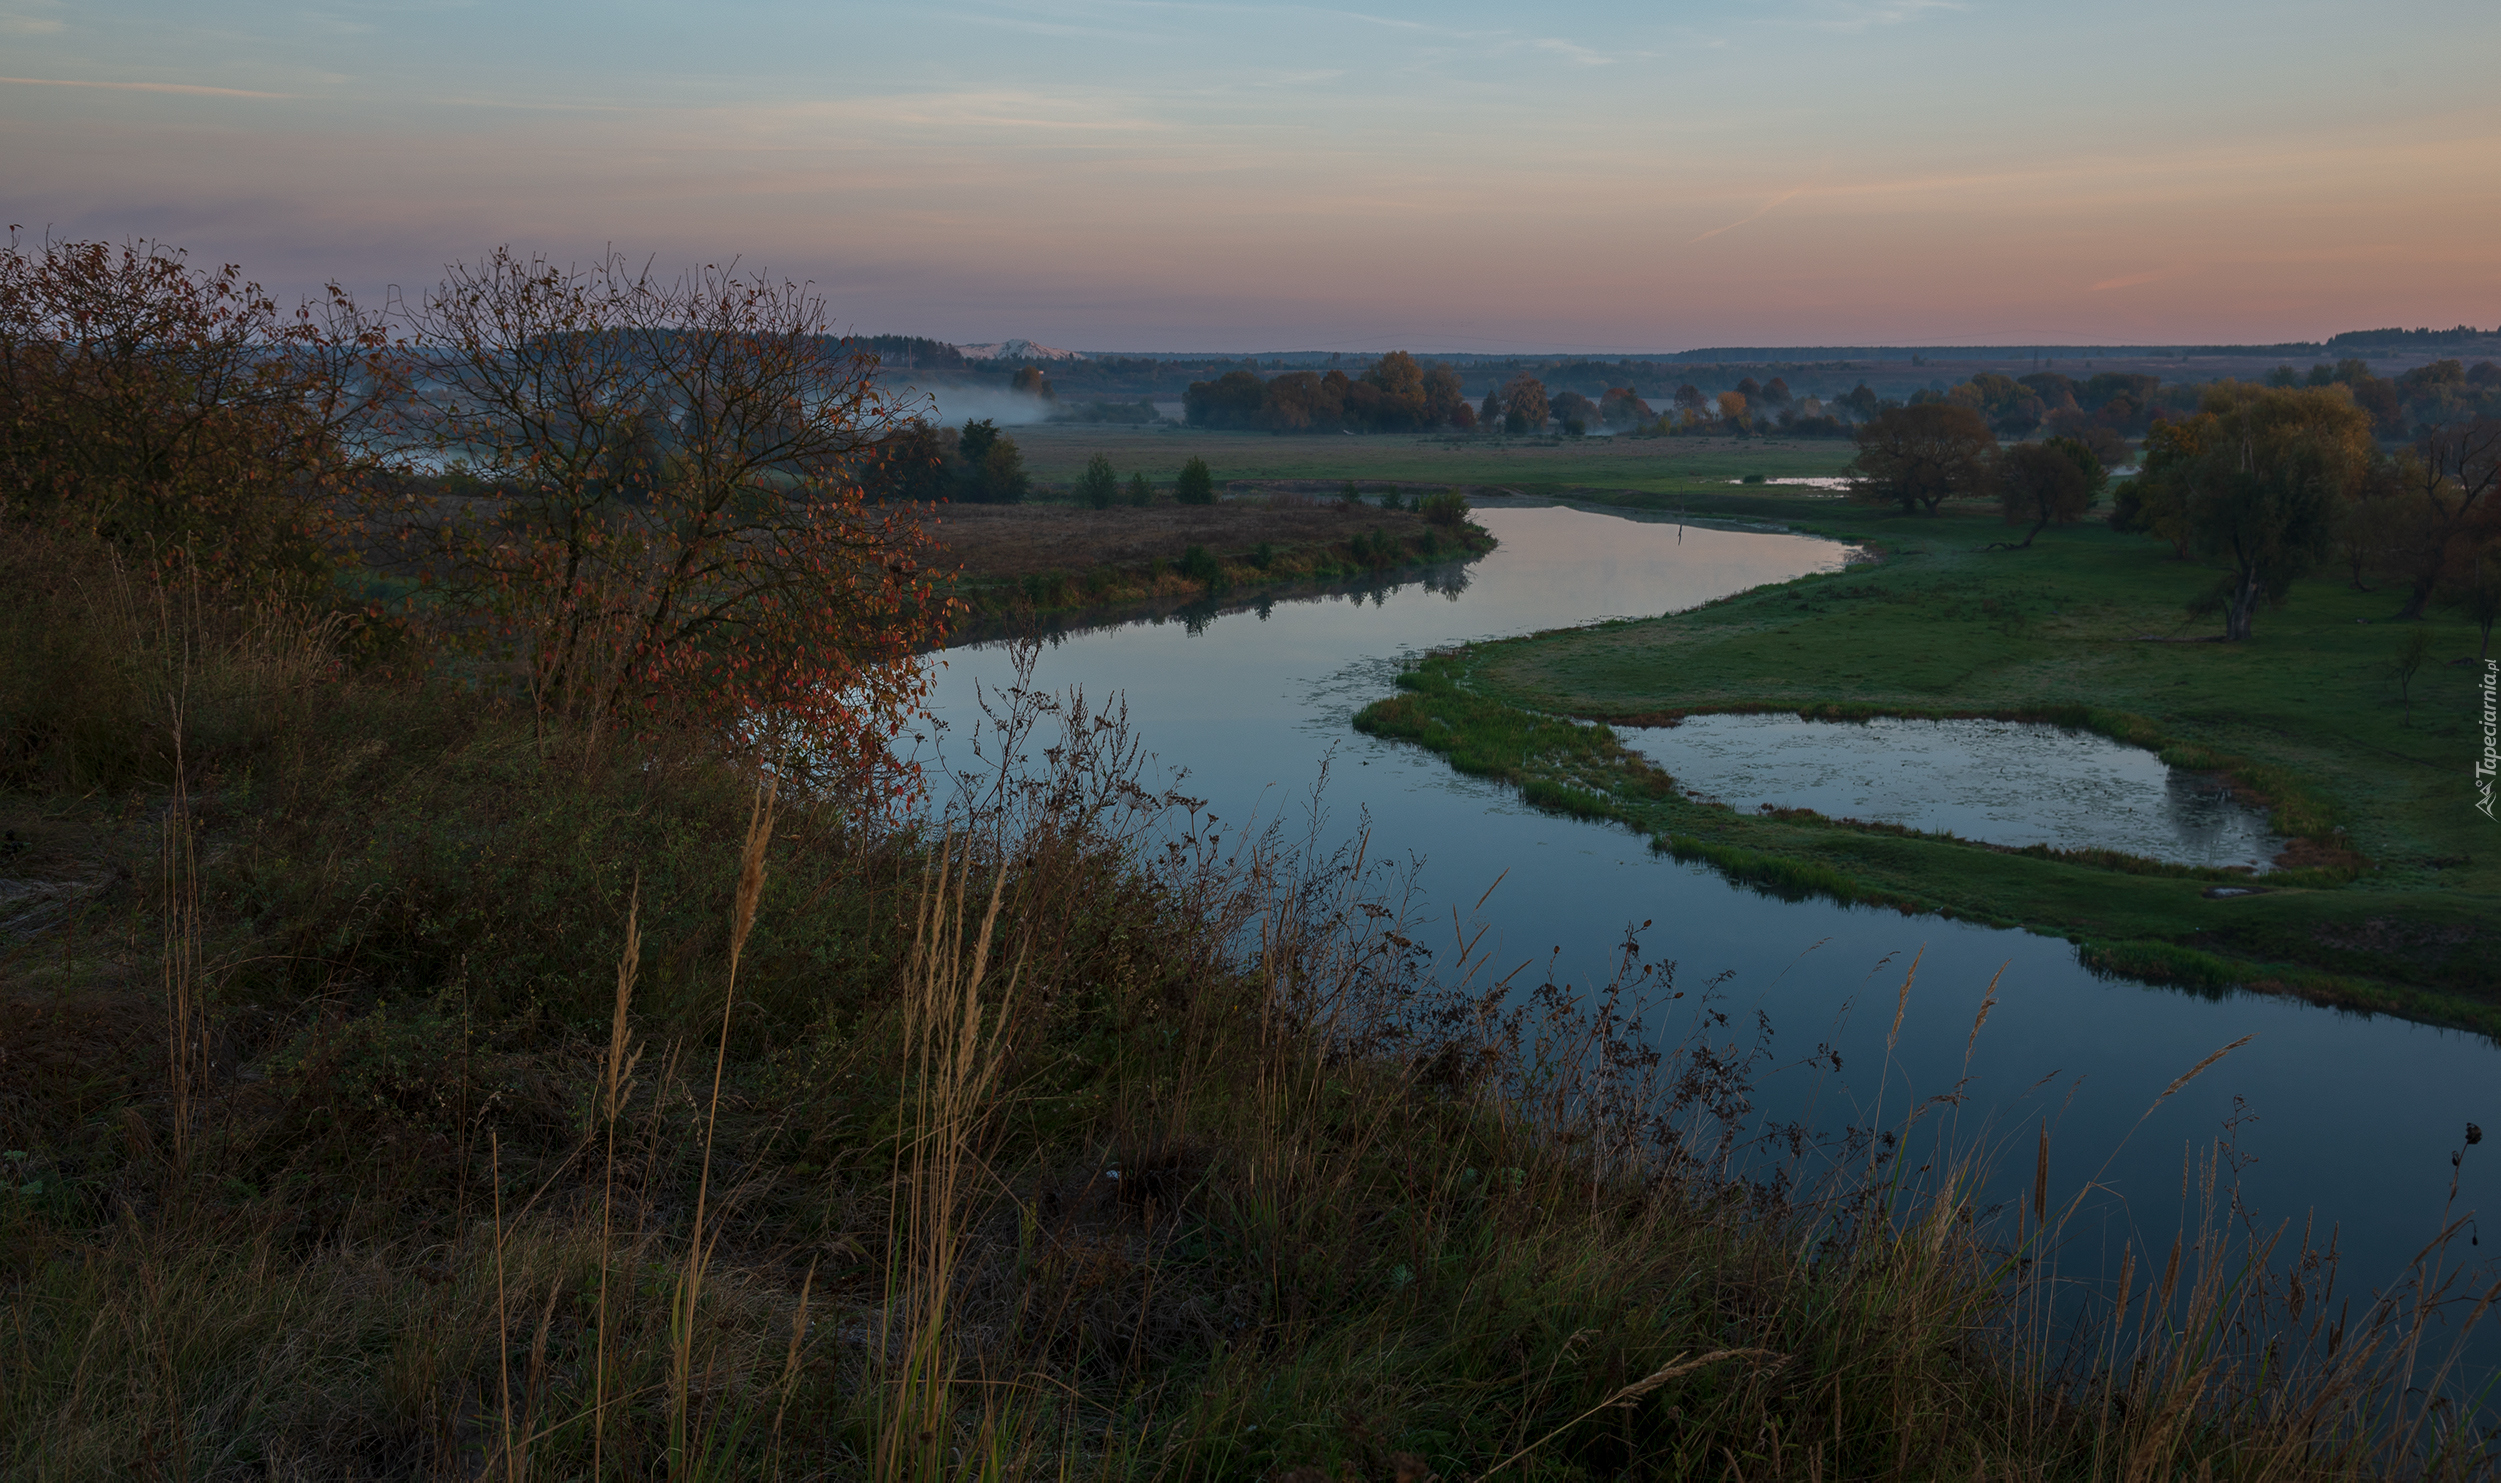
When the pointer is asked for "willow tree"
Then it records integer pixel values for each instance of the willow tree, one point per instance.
(2257, 478)
(662, 510)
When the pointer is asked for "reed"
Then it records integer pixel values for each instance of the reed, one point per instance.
(1079, 1133)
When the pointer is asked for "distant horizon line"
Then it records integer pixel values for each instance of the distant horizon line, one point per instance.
(2463, 336)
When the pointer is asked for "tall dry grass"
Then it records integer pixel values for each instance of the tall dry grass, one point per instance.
(1104, 1139)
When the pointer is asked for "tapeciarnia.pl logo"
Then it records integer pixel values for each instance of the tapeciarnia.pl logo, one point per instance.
(2487, 763)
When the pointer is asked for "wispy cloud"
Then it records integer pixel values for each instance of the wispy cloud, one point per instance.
(143, 87)
(1790, 194)
(1575, 51)
(1866, 15)
(24, 21)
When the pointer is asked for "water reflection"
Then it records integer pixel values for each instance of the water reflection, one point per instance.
(2355, 1116)
(2003, 782)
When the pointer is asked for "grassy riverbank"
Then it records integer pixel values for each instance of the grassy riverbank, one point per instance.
(398, 1084)
(1054, 558)
(2393, 877)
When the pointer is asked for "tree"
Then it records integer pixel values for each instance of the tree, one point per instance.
(1920, 457)
(2009, 406)
(1231, 400)
(2156, 501)
(1031, 381)
(1490, 415)
(1445, 400)
(1001, 478)
(2259, 475)
(2120, 400)
(668, 523)
(1141, 493)
(2407, 664)
(169, 409)
(2366, 533)
(1732, 409)
(2457, 470)
(1621, 408)
(1098, 486)
(975, 440)
(2109, 449)
(1398, 399)
(2047, 483)
(915, 462)
(1195, 486)
(1524, 404)
(1574, 412)
(1295, 402)
(2056, 390)
(2477, 592)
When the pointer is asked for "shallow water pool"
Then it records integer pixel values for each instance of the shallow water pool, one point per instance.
(2002, 782)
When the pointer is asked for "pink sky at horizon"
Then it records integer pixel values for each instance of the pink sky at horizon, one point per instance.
(1181, 176)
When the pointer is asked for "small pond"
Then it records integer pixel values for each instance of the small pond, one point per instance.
(2001, 782)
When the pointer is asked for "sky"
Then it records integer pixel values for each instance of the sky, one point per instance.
(1122, 175)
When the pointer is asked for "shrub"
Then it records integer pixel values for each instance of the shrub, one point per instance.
(1447, 507)
(1200, 565)
(1098, 486)
(1196, 486)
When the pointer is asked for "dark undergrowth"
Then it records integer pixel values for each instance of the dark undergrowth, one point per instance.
(395, 1086)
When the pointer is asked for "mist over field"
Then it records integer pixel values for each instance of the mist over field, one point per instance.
(1750, 739)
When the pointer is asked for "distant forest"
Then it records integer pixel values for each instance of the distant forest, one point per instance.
(1399, 392)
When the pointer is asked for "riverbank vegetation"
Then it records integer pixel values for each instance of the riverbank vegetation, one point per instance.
(2383, 900)
(404, 1083)
(1052, 557)
(439, 1041)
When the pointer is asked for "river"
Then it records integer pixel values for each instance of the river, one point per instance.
(2344, 1118)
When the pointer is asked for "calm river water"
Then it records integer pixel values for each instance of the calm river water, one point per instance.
(2350, 1119)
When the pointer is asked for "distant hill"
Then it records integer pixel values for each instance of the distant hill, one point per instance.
(1019, 350)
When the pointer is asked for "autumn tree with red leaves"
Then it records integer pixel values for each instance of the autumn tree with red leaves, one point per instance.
(180, 413)
(662, 513)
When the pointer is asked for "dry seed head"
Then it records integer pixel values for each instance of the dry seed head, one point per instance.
(2192, 1073)
(1987, 1003)
(1903, 1002)
(619, 1072)
(751, 870)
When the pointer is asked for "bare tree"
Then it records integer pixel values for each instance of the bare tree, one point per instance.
(662, 501)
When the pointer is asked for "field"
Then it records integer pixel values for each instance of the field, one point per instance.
(2393, 876)
(1057, 452)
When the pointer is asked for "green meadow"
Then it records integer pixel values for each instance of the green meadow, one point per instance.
(1056, 453)
(2388, 886)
